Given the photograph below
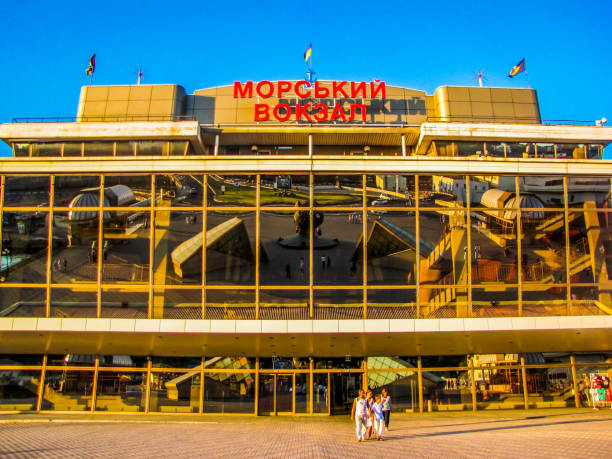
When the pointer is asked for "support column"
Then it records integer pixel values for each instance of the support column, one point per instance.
(310, 246)
(94, 386)
(201, 394)
(148, 386)
(403, 145)
(310, 145)
(310, 387)
(364, 245)
(216, 150)
(577, 394)
(257, 241)
(49, 247)
(420, 380)
(524, 379)
(41, 387)
(256, 410)
(473, 379)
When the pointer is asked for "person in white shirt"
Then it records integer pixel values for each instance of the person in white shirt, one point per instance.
(379, 419)
(360, 414)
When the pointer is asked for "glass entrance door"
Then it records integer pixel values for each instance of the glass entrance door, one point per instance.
(276, 394)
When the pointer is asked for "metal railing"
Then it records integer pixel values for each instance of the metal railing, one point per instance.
(120, 118)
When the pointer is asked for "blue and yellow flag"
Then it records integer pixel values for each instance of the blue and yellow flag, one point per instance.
(518, 68)
(308, 53)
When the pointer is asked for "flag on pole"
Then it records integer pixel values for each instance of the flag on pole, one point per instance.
(518, 68)
(92, 65)
(308, 53)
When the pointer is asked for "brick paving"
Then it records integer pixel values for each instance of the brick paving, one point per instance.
(516, 434)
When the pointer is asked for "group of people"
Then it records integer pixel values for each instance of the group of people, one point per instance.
(371, 414)
(60, 264)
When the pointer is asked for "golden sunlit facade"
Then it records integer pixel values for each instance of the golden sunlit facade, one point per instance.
(270, 247)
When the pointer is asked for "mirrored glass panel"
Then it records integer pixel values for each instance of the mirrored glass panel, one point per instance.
(68, 390)
(74, 302)
(234, 304)
(177, 247)
(229, 392)
(443, 248)
(495, 302)
(175, 392)
(127, 304)
(285, 190)
(178, 190)
(338, 248)
(498, 384)
(121, 391)
(338, 190)
(570, 151)
(74, 251)
(446, 191)
(24, 247)
(230, 248)
(320, 393)
(443, 302)
(392, 247)
(541, 191)
(125, 251)
(231, 190)
(548, 387)
(177, 304)
(447, 390)
(98, 148)
(338, 304)
(392, 304)
(284, 304)
(284, 256)
(22, 302)
(588, 192)
(494, 247)
(402, 385)
(19, 390)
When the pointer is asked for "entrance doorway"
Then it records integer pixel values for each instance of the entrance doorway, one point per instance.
(344, 389)
(276, 394)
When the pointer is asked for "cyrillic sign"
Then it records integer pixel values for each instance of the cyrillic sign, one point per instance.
(313, 102)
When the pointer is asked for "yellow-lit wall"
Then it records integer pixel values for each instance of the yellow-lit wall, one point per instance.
(219, 106)
(131, 103)
(485, 105)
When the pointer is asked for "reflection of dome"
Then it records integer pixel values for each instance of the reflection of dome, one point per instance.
(496, 198)
(117, 195)
(90, 199)
(528, 201)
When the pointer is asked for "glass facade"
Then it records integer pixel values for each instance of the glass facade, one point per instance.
(300, 246)
(237, 385)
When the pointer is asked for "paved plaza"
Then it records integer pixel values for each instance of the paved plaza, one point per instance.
(512, 434)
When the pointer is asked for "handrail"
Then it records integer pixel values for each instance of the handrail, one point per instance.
(102, 118)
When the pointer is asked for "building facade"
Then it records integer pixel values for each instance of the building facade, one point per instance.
(269, 248)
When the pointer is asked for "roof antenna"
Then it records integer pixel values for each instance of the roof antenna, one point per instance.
(480, 77)
(139, 73)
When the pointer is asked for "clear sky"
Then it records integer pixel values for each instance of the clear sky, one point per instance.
(45, 47)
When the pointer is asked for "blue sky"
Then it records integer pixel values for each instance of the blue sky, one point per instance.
(45, 47)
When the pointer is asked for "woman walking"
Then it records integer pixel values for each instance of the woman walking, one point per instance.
(379, 419)
(386, 409)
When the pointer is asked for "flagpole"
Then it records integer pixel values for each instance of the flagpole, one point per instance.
(527, 75)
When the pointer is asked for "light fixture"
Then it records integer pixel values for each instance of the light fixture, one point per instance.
(366, 149)
(254, 148)
(601, 122)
